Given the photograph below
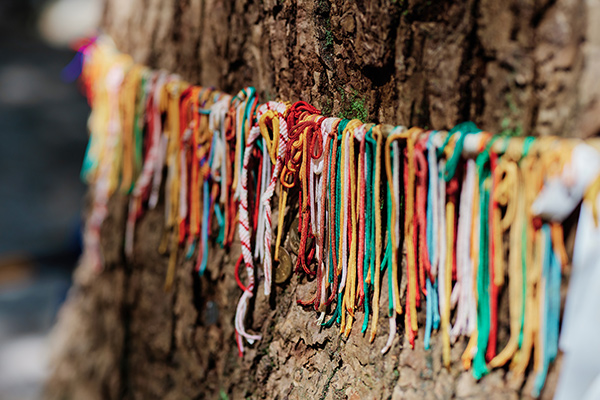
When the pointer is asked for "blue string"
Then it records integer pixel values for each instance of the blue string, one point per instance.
(551, 280)
(431, 230)
(205, 229)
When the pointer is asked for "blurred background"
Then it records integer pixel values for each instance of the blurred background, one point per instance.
(43, 138)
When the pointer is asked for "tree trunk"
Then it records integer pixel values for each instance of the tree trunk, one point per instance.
(525, 66)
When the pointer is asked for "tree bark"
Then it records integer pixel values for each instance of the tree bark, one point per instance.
(523, 66)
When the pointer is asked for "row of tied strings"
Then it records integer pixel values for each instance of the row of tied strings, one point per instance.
(376, 205)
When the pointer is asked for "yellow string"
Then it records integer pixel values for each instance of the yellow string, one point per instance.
(590, 198)
(341, 222)
(239, 129)
(531, 169)
(127, 103)
(282, 201)
(275, 149)
(350, 293)
(96, 68)
(445, 320)
(392, 222)
(174, 90)
(378, 136)
(501, 197)
(117, 157)
(272, 145)
(300, 142)
(509, 193)
(445, 312)
(409, 226)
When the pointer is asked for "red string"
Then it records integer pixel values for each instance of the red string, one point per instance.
(492, 341)
(296, 111)
(332, 220)
(258, 156)
(185, 114)
(421, 173)
(237, 273)
(361, 224)
(322, 231)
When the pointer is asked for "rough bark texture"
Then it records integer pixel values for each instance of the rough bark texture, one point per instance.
(529, 66)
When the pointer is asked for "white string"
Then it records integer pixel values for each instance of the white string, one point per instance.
(462, 294)
(434, 186)
(391, 335)
(344, 230)
(281, 109)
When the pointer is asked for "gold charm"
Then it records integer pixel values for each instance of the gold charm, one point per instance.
(284, 268)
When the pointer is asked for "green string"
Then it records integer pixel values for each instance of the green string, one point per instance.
(483, 278)
(483, 274)
(338, 183)
(338, 187)
(338, 217)
(329, 183)
(332, 271)
(527, 143)
(338, 194)
(388, 256)
(336, 314)
(138, 126)
(464, 129)
(247, 112)
(368, 224)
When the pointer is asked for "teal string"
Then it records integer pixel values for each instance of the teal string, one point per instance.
(428, 315)
(483, 274)
(221, 222)
(336, 314)
(483, 280)
(89, 163)
(205, 229)
(551, 276)
(329, 183)
(368, 224)
(191, 250)
(341, 126)
(464, 129)
(388, 257)
(376, 194)
(431, 230)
